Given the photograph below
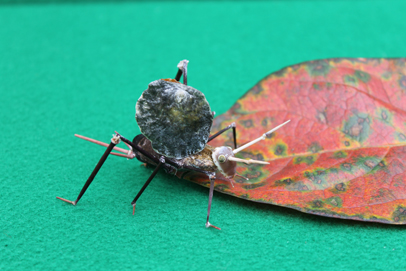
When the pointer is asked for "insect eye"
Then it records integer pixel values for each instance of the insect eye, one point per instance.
(222, 158)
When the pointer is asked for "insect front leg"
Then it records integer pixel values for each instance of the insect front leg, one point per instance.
(232, 125)
(212, 178)
(114, 141)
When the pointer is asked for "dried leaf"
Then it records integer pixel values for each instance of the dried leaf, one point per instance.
(343, 154)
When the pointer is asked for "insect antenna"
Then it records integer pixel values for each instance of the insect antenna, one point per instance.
(250, 161)
(264, 136)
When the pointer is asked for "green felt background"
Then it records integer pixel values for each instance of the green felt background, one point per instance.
(70, 68)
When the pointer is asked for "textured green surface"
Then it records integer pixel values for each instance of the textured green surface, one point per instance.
(72, 68)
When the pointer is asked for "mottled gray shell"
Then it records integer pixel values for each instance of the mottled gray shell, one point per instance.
(176, 118)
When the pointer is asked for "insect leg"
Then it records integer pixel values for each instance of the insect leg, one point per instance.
(114, 141)
(182, 68)
(161, 162)
(212, 178)
(232, 125)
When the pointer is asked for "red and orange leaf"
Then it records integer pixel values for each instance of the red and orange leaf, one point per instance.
(343, 154)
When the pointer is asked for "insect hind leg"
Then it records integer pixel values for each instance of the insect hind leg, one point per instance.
(114, 141)
(212, 178)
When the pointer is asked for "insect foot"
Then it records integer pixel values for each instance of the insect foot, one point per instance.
(210, 225)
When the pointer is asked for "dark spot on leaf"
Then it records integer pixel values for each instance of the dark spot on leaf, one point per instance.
(257, 89)
(244, 196)
(318, 68)
(284, 182)
(357, 126)
(299, 159)
(322, 117)
(265, 122)
(280, 149)
(399, 214)
(288, 181)
(310, 158)
(309, 175)
(252, 176)
(247, 123)
(402, 82)
(356, 130)
(369, 164)
(315, 147)
(351, 80)
(253, 185)
(221, 187)
(346, 143)
(270, 135)
(363, 76)
(402, 136)
(347, 166)
(316, 86)
(335, 201)
(280, 73)
(384, 115)
(339, 154)
(381, 164)
(304, 188)
(340, 187)
(317, 204)
(235, 108)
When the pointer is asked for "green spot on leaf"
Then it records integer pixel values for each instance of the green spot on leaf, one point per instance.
(334, 201)
(351, 80)
(340, 154)
(363, 76)
(318, 68)
(309, 159)
(315, 147)
(280, 149)
(357, 127)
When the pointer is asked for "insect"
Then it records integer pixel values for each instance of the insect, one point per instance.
(175, 120)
